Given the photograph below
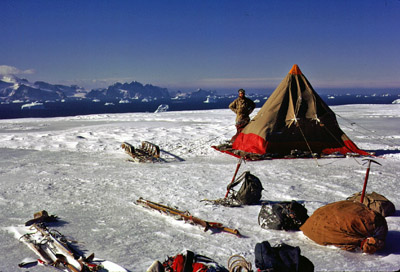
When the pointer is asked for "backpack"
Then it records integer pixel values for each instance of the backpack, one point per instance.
(281, 258)
(376, 202)
(250, 191)
(282, 216)
(191, 262)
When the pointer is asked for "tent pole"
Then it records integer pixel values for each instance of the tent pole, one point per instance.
(308, 145)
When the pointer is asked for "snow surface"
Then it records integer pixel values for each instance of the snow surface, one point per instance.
(74, 167)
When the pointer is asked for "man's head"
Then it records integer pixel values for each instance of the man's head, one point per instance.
(241, 92)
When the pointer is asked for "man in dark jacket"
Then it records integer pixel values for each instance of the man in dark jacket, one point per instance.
(243, 107)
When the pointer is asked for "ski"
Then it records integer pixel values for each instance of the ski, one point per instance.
(58, 248)
(187, 217)
(54, 250)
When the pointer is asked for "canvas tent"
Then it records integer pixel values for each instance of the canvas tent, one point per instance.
(294, 118)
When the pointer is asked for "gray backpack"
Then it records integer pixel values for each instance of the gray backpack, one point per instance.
(250, 191)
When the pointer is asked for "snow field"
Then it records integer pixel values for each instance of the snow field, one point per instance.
(74, 167)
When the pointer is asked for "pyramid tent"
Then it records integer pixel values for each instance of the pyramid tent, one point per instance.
(294, 118)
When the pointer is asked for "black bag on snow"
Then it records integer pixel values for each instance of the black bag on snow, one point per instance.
(281, 258)
(282, 216)
(250, 191)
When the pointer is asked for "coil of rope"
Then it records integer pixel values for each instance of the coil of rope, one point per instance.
(237, 263)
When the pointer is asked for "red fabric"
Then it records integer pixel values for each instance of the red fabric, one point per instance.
(349, 147)
(178, 264)
(226, 151)
(254, 143)
(199, 267)
(251, 143)
(239, 129)
(295, 70)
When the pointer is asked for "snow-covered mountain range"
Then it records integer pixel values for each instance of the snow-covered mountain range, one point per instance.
(13, 88)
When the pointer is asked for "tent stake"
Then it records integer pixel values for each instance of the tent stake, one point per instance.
(366, 177)
(234, 175)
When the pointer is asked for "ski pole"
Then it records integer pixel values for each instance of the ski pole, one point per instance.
(234, 176)
(366, 177)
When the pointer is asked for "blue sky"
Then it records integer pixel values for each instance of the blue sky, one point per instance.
(214, 44)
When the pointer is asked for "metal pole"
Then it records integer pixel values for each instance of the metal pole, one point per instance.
(234, 176)
(366, 177)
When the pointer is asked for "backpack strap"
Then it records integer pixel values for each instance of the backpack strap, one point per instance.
(188, 266)
(238, 180)
(203, 259)
(178, 263)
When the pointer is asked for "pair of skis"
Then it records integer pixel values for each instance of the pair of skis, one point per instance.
(187, 217)
(53, 249)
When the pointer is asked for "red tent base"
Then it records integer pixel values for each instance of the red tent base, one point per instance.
(226, 151)
(257, 157)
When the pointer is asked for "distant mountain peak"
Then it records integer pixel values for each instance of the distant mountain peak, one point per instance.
(14, 79)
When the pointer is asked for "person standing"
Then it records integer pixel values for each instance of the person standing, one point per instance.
(243, 107)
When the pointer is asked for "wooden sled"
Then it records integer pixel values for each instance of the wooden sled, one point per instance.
(148, 152)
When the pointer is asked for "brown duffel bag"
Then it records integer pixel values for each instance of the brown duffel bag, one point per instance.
(348, 225)
(376, 202)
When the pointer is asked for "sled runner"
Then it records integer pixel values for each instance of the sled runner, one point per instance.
(148, 152)
(54, 250)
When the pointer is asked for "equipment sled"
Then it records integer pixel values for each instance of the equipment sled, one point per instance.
(148, 152)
